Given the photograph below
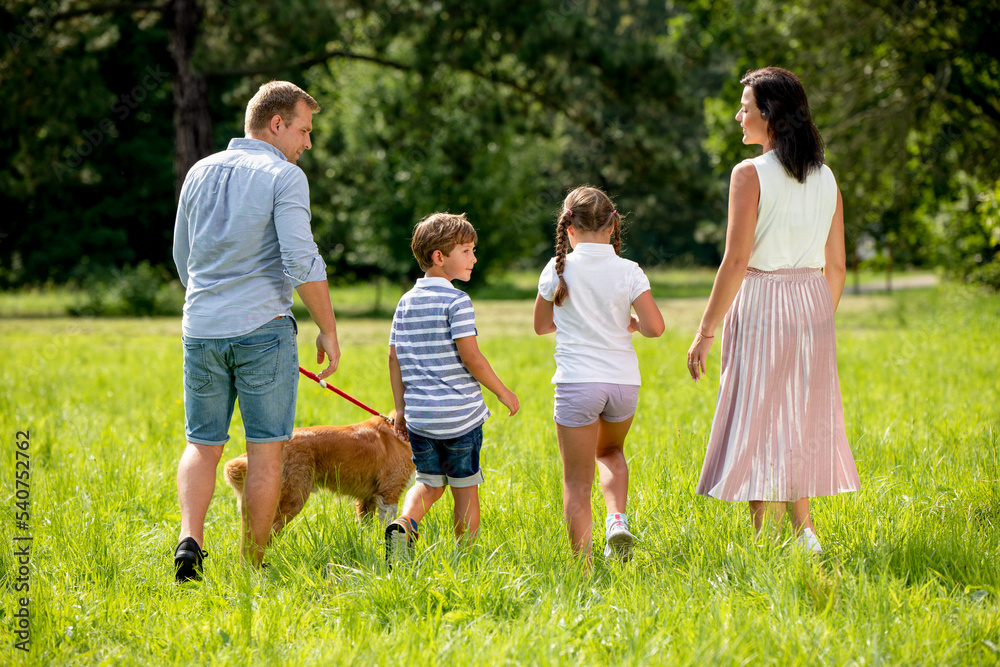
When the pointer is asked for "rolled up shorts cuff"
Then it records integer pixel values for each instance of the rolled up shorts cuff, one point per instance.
(283, 438)
(431, 480)
(207, 443)
(465, 482)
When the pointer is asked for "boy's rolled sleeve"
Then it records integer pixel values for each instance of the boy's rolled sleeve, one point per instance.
(299, 253)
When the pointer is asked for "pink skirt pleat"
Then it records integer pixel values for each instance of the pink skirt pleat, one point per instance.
(778, 433)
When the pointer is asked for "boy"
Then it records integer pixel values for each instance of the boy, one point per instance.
(436, 368)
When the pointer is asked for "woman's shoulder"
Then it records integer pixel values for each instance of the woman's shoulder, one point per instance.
(751, 168)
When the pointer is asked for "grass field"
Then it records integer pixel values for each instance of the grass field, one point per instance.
(911, 573)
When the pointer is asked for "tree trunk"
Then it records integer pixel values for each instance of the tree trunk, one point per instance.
(192, 122)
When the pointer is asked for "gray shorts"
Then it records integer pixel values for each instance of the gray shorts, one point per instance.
(583, 403)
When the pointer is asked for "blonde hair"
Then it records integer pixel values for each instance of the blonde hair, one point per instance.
(588, 210)
(440, 231)
(275, 98)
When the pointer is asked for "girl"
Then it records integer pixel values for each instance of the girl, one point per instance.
(778, 435)
(587, 297)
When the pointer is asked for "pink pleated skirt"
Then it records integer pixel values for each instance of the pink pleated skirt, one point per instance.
(778, 433)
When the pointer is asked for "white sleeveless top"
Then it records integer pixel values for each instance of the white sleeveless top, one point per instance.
(793, 219)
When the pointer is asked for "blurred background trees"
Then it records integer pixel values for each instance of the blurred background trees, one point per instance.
(495, 108)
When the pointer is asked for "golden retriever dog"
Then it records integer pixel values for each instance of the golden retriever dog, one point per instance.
(365, 461)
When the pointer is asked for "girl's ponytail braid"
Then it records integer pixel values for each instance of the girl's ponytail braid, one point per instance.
(562, 241)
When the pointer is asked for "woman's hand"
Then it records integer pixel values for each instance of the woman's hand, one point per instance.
(698, 355)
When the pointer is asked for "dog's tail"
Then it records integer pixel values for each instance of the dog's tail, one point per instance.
(235, 473)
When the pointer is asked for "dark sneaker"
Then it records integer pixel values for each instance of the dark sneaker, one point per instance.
(399, 538)
(188, 559)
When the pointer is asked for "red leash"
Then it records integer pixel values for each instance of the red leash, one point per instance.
(324, 383)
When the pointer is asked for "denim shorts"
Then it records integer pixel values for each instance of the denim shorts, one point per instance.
(583, 403)
(261, 368)
(448, 462)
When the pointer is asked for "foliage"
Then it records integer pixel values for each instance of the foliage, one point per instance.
(910, 574)
(905, 94)
(86, 169)
(972, 226)
(496, 112)
(131, 292)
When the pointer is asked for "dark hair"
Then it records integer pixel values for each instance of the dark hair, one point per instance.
(782, 102)
(440, 231)
(589, 210)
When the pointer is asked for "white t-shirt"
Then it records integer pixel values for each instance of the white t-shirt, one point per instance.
(793, 219)
(592, 339)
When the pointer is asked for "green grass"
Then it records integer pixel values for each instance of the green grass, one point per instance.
(911, 573)
(378, 298)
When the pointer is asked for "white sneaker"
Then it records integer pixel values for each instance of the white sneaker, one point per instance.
(618, 540)
(808, 541)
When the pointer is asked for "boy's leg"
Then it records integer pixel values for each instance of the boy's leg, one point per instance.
(577, 447)
(466, 513)
(419, 499)
(401, 533)
(612, 468)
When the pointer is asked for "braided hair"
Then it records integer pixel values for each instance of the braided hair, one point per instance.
(588, 210)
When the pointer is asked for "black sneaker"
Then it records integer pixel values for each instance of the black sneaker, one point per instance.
(399, 538)
(188, 559)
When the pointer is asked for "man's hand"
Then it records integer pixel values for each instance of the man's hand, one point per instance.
(328, 347)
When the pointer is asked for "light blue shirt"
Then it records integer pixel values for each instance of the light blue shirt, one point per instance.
(242, 240)
(443, 399)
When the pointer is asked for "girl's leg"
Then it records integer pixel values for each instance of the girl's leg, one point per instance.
(612, 468)
(578, 446)
(466, 513)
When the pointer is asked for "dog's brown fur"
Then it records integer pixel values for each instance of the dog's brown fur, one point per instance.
(366, 461)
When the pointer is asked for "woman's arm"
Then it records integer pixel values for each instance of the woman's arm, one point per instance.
(835, 268)
(744, 194)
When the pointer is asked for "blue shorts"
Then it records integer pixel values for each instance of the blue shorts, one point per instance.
(583, 403)
(261, 368)
(448, 462)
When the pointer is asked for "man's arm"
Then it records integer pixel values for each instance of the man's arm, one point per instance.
(316, 297)
(479, 366)
(182, 243)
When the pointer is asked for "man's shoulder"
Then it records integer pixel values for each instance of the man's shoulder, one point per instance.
(249, 157)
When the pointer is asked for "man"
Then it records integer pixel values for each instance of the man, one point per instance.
(242, 241)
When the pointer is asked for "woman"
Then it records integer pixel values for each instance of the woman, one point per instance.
(778, 434)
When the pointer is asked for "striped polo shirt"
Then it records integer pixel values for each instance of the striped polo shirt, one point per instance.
(443, 400)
